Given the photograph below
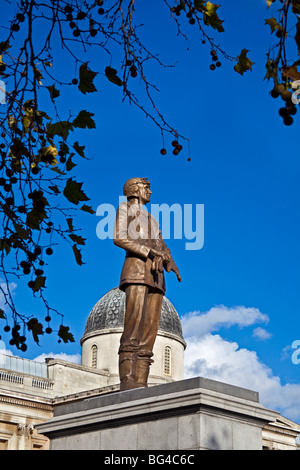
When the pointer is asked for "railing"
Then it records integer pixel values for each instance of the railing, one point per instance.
(25, 366)
(12, 378)
(44, 384)
(23, 373)
(26, 382)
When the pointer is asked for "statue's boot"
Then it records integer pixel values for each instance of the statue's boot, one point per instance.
(142, 371)
(127, 370)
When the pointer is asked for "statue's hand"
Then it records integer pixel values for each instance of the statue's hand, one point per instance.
(164, 259)
(165, 256)
(171, 266)
(176, 271)
(168, 267)
(157, 264)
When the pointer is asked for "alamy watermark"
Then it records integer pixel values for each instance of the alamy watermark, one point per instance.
(178, 221)
(296, 87)
(2, 92)
(296, 353)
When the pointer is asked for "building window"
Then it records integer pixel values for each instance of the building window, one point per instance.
(94, 356)
(167, 360)
(3, 444)
(37, 446)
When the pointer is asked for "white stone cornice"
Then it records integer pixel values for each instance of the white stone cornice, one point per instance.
(26, 402)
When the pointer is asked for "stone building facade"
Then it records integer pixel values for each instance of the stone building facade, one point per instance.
(30, 390)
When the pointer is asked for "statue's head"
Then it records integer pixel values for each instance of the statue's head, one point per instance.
(139, 188)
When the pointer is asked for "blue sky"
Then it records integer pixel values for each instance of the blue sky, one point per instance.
(239, 296)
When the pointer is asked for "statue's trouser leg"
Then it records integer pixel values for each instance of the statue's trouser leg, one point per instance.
(142, 316)
(151, 322)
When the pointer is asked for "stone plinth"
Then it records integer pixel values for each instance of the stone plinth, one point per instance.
(193, 414)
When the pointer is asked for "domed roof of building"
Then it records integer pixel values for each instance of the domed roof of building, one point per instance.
(109, 312)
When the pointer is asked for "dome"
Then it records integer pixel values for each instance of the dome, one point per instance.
(109, 312)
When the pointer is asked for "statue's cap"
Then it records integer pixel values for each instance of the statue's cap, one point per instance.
(128, 190)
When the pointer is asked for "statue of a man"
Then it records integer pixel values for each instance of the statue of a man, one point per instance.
(142, 279)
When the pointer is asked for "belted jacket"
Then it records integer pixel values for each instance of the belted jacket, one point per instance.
(137, 231)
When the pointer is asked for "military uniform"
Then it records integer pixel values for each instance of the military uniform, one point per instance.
(136, 231)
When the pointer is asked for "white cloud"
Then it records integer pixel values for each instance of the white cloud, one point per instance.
(76, 358)
(261, 333)
(3, 353)
(209, 355)
(221, 316)
(3, 349)
(286, 353)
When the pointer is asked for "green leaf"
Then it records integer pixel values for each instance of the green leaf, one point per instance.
(291, 73)
(54, 93)
(36, 328)
(269, 2)
(33, 220)
(21, 231)
(296, 7)
(79, 149)
(12, 122)
(39, 282)
(84, 120)
(39, 115)
(74, 193)
(211, 8)
(77, 239)
(211, 18)
(34, 217)
(4, 46)
(112, 76)
(271, 70)
(274, 25)
(86, 208)
(70, 164)
(55, 189)
(86, 77)
(199, 5)
(70, 224)
(57, 170)
(244, 63)
(27, 118)
(39, 205)
(4, 245)
(77, 254)
(37, 74)
(49, 154)
(31, 112)
(65, 334)
(61, 128)
(29, 104)
(26, 121)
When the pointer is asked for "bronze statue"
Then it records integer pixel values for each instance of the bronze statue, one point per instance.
(142, 279)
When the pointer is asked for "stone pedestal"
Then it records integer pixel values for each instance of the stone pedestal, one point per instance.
(190, 414)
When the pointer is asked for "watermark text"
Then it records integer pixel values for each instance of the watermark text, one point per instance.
(176, 221)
